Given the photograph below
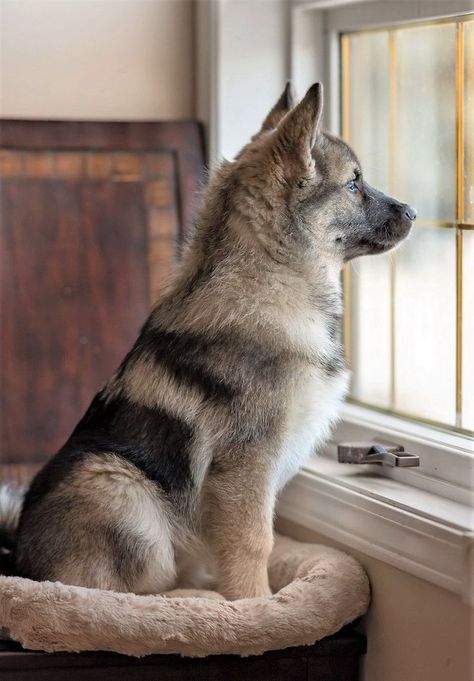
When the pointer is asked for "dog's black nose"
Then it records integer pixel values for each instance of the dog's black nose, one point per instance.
(410, 213)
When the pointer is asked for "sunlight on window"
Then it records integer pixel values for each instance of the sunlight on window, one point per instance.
(408, 111)
(469, 124)
(425, 325)
(468, 331)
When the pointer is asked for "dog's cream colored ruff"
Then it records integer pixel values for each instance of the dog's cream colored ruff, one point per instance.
(318, 590)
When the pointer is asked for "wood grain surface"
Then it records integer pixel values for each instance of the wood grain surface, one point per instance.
(93, 216)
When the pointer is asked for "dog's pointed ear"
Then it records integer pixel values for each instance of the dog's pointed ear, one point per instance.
(285, 103)
(298, 132)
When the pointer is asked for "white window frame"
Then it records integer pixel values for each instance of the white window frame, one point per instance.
(315, 32)
(419, 520)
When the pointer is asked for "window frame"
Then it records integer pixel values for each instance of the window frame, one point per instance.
(316, 28)
(457, 226)
(419, 520)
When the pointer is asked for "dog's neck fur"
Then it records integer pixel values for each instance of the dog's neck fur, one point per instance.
(243, 267)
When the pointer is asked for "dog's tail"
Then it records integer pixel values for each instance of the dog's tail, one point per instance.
(11, 502)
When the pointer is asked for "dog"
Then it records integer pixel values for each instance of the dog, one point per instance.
(236, 378)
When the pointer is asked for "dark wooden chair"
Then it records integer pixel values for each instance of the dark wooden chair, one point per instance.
(93, 217)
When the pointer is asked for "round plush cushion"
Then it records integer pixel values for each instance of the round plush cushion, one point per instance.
(317, 591)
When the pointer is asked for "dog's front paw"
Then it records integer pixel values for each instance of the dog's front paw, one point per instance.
(255, 590)
(193, 593)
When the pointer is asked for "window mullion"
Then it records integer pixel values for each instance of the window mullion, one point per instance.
(392, 47)
(460, 211)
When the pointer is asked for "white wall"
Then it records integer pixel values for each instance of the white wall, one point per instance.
(97, 59)
(415, 630)
(243, 65)
(253, 67)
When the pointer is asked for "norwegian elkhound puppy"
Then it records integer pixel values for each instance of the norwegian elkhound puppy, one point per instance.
(235, 379)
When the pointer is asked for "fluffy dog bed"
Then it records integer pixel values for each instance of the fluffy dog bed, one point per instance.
(317, 591)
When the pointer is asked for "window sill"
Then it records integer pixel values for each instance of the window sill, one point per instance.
(446, 458)
(417, 531)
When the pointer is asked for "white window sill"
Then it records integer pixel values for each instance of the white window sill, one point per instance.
(415, 530)
(446, 458)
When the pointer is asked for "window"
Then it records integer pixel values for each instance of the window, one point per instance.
(407, 108)
(408, 111)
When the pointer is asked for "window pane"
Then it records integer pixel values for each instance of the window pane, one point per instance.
(469, 123)
(370, 326)
(369, 118)
(425, 325)
(468, 331)
(426, 125)
(401, 118)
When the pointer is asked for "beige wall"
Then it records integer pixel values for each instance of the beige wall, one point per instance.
(97, 59)
(416, 631)
(252, 67)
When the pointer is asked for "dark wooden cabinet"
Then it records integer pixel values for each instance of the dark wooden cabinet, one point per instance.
(93, 216)
(335, 658)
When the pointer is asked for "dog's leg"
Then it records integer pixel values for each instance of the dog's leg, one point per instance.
(105, 527)
(239, 525)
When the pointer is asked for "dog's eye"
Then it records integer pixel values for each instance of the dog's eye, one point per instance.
(352, 187)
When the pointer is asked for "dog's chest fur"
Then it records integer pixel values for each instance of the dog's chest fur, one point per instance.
(319, 381)
(311, 412)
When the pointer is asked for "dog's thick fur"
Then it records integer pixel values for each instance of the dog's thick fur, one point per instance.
(235, 379)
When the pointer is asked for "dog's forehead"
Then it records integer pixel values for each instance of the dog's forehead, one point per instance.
(337, 156)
